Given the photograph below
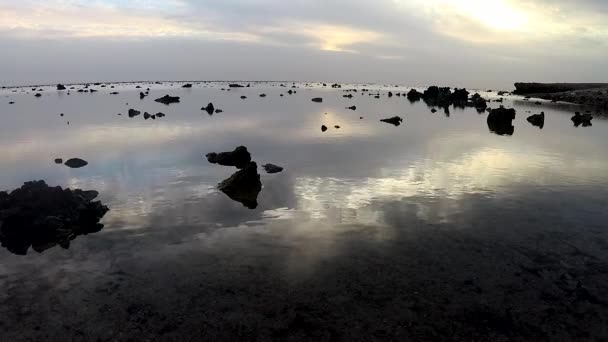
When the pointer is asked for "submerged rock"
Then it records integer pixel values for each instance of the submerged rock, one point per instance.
(42, 217)
(243, 186)
(271, 168)
(395, 120)
(133, 112)
(60, 87)
(317, 99)
(239, 158)
(500, 121)
(537, 120)
(210, 109)
(76, 163)
(168, 99)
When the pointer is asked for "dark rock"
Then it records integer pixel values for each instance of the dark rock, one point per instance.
(500, 121)
(168, 99)
(479, 103)
(93, 90)
(262, 95)
(239, 158)
(352, 107)
(147, 115)
(460, 96)
(138, 87)
(537, 120)
(271, 168)
(217, 111)
(337, 127)
(58, 161)
(114, 93)
(584, 119)
(243, 186)
(160, 115)
(414, 95)
(76, 163)
(38, 95)
(61, 114)
(12, 102)
(323, 128)
(210, 109)
(317, 99)
(390, 94)
(349, 96)
(42, 217)
(188, 85)
(243, 97)
(436, 96)
(290, 92)
(133, 112)
(234, 85)
(395, 120)
(142, 96)
(433, 110)
(60, 87)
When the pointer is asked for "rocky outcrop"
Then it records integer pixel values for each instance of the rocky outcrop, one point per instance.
(500, 121)
(168, 99)
(271, 168)
(60, 87)
(235, 85)
(133, 112)
(76, 163)
(395, 120)
(323, 128)
(187, 85)
(210, 109)
(548, 88)
(584, 119)
(41, 217)
(317, 99)
(414, 95)
(537, 120)
(239, 158)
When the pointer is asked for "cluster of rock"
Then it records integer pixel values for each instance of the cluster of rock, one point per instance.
(42, 217)
(582, 119)
(244, 185)
(500, 120)
(443, 97)
(210, 109)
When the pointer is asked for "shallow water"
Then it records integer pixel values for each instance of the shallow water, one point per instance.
(437, 229)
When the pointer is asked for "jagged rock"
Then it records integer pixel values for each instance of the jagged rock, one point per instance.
(537, 120)
(337, 127)
(479, 103)
(584, 119)
(500, 121)
(42, 217)
(317, 99)
(76, 163)
(336, 85)
(210, 109)
(436, 96)
(147, 115)
(460, 97)
(133, 112)
(323, 128)
(239, 158)
(271, 168)
(187, 85)
(60, 87)
(234, 85)
(414, 95)
(168, 99)
(352, 107)
(395, 120)
(243, 186)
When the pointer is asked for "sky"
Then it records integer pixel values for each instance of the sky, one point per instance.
(472, 43)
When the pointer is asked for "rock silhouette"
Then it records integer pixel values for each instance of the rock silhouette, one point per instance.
(323, 128)
(239, 158)
(500, 121)
(243, 186)
(76, 163)
(42, 217)
(133, 112)
(60, 87)
(271, 168)
(537, 120)
(187, 85)
(584, 119)
(210, 109)
(395, 120)
(168, 99)
(317, 99)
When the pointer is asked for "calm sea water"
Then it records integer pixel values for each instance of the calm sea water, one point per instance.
(418, 231)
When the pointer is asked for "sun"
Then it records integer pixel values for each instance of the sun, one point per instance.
(495, 14)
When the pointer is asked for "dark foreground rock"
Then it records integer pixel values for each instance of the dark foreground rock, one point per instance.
(168, 99)
(76, 163)
(500, 121)
(239, 158)
(42, 217)
(323, 128)
(537, 120)
(395, 120)
(235, 85)
(210, 109)
(188, 85)
(133, 112)
(584, 119)
(317, 99)
(414, 95)
(271, 168)
(60, 87)
(243, 186)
